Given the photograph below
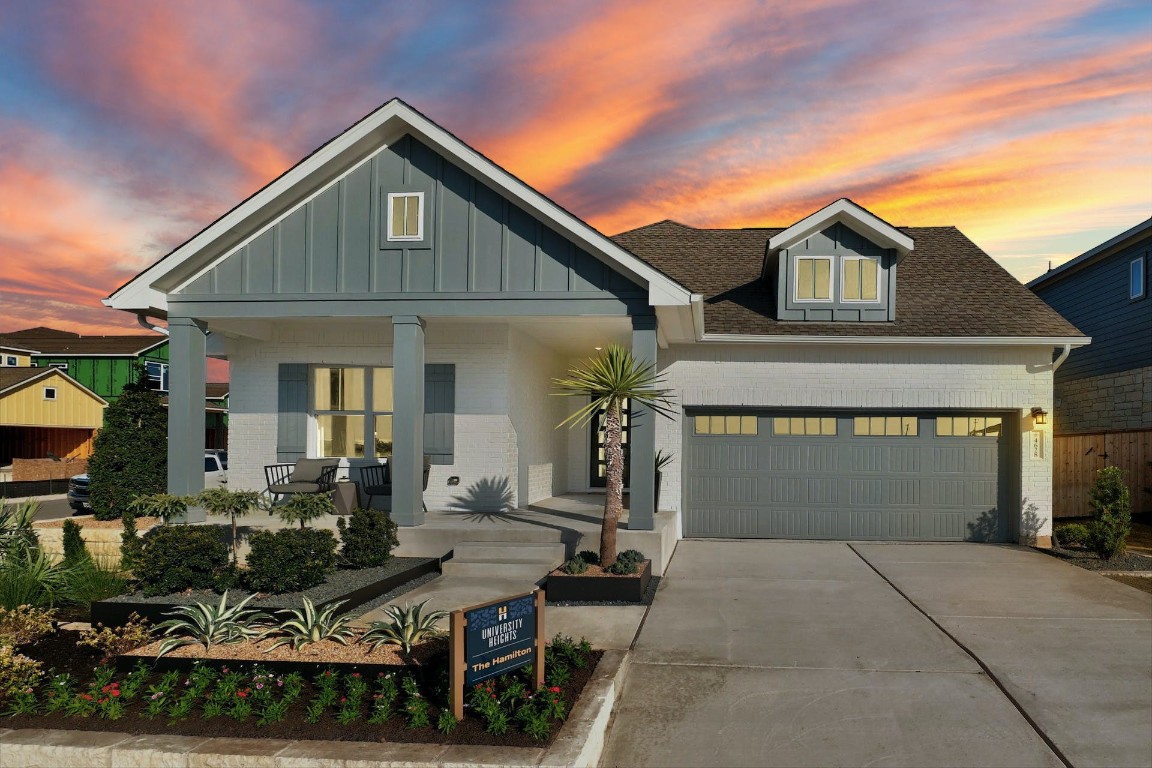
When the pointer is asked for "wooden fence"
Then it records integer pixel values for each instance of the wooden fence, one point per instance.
(1077, 458)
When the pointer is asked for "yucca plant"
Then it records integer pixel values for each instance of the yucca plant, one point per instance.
(309, 626)
(608, 381)
(408, 626)
(208, 625)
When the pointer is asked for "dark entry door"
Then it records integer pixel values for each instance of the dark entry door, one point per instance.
(598, 465)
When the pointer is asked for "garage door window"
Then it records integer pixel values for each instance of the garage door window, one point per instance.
(885, 426)
(725, 425)
(804, 425)
(969, 426)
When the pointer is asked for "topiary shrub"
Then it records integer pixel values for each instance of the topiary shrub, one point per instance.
(130, 542)
(74, 550)
(303, 508)
(178, 557)
(290, 560)
(368, 538)
(575, 566)
(1111, 513)
(130, 454)
(1071, 534)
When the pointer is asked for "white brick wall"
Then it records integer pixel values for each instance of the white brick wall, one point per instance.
(860, 376)
(535, 414)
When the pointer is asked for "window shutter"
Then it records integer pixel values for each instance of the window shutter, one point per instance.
(439, 412)
(292, 412)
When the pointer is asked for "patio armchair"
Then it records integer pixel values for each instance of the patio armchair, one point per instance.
(305, 476)
(376, 479)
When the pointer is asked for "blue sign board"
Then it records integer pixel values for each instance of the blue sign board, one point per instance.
(499, 638)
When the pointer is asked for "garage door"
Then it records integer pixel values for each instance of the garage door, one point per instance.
(886, 476)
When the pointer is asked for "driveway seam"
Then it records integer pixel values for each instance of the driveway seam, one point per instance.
(987, 670)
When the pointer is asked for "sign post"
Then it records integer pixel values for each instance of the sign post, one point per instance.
(493, 639)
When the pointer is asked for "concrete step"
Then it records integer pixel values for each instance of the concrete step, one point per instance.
(496, 569)
(509, 552)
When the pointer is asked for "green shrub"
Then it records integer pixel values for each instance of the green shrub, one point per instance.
(179, 557)
(1071, 534)
(368, 538)
(129, 456)
(130, 543)
(74, 549)
(590, 557)
(18, 674)
(633, 555)
(95, 579)
(28, 577)
(575, 566)
(303, 508)
(113, 641)
(290, 560)
(623, 567)
(24, 624)
(1111, 513)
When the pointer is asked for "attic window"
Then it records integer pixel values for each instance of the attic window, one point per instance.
(49, 393)
(406, 216)
(860, 280)
(9, 360)
(813, 279)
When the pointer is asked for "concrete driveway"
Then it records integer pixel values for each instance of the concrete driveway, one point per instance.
(765, 653)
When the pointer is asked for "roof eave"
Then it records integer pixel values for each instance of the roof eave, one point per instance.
(844, 211)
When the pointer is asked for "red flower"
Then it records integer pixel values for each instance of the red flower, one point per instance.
(355, 674)
(242, 694)
(343, 699)
(115, 693)
(555, 689)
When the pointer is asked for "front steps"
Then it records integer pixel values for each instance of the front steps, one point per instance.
(530, 561)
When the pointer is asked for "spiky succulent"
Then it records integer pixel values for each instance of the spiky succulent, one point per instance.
(212, 625)
(309, 625)
(408, 626)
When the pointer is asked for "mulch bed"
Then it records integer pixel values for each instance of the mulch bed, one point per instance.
(1089, 560)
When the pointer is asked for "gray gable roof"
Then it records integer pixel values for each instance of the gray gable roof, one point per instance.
(946, 287)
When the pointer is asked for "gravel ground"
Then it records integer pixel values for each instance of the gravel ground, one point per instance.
(1129, 561)
(388, 597)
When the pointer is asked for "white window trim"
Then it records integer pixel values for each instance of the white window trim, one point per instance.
(796, 278)
(11, 360)
(843, 261)
(419, 217)
(1132, 296)
(52, 390)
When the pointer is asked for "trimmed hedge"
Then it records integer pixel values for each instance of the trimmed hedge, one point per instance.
(290, 560)
(173, 558)
(368, 538)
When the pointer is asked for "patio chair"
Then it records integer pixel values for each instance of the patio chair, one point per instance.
(376, 479)
(305, 476)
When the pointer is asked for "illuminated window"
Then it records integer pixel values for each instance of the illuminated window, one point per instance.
(860, 279)
(885, 426)
(804, 425)
(726, 425)
(969, 426)
(406, 216)
(813, 279)
(353, 410)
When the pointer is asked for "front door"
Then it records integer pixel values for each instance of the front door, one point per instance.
(599, 463)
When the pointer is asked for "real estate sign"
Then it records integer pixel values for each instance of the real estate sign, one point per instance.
(496, 638)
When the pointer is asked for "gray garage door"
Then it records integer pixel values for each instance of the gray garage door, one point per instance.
(887, 476)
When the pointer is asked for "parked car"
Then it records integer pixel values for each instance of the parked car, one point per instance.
(215, 475)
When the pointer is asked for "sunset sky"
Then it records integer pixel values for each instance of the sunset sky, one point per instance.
(125, 127)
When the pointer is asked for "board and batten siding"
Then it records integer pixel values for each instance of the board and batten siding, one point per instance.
(106, 376)
(73, 407)
(1095, 300)
(475, 242)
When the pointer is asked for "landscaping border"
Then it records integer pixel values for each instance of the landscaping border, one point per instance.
(113, 612)
(563, 587)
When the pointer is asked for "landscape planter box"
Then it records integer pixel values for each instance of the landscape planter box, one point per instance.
(114, 612)
(563, 587)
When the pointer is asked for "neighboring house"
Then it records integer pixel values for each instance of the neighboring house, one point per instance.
(1103, 393)
(103, 364)
(216, 414)
(398, 294)
(43, 411)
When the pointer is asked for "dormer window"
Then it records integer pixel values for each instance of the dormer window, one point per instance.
(406, 216)
(813, 278)
(860, 279)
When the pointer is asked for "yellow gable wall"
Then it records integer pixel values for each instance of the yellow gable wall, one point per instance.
(73, 407)
(22, 361)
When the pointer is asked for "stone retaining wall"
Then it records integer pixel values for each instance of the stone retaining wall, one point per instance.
(103, 543)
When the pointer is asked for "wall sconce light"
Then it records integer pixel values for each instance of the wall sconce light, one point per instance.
(1039, 415)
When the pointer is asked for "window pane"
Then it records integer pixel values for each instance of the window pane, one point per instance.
(412, 218)
(891, 425)
(398, 216)
(340, 435)
(860, 425)
(338, 389)
(823, 272)
(827, 426)
(867, 279)
(944, 426)
(717, 425)
(911, 426)
(780, 426)
(747, 425)
(701, 425)
(731, 425)
(804, 279)
(995, 424)
(976, 425)
(382, 389)
(382, 434)
(812, 425)
(852, 279)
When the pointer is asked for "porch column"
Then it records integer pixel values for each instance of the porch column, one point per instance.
(642, 435)
(408, 420)
(187, 374)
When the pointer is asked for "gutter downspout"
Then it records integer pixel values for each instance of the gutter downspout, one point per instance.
(1063, 356)
(143, 320)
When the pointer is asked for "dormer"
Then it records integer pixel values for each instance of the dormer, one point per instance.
(837, 265)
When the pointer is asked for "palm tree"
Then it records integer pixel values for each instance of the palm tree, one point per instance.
(608, 381)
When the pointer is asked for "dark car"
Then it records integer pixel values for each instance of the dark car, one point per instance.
(78, 492)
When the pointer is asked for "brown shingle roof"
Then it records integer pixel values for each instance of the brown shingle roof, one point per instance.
(216, 390)
(946, 287)
(10, 377)
(48, 341)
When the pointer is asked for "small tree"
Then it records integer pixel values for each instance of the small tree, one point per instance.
(305, 507)
(129, 456)
(74, 550)
(1111, 513)
(608, 381)
(165, 506)
(234, 504)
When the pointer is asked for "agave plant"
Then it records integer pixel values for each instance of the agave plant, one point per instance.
(408, 626)
(311, 626)
(208, 625)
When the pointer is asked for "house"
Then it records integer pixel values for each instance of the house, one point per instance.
(398, 294)
(102, 364)
(216, 414)
(45, 412)
(1103, 393)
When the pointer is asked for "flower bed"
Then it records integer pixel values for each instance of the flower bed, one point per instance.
(355, 587)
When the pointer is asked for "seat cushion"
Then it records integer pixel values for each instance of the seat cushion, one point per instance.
(309, 470)
(294, 487)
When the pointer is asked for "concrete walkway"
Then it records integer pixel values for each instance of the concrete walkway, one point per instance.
(766, 653)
